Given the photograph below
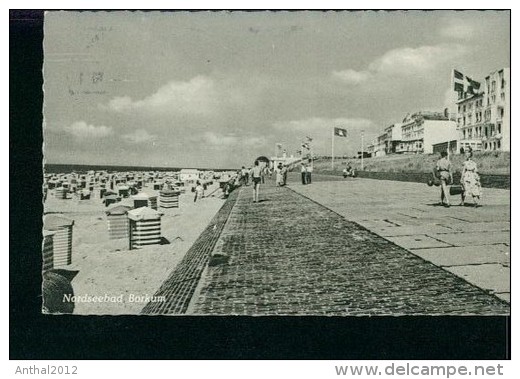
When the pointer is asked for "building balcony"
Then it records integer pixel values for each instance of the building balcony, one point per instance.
(493, 137)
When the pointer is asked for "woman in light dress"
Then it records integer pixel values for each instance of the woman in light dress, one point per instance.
(470, 180)
(279, 175)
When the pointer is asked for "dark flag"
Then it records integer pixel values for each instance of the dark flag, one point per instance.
(458, 75)
(473, 86)
(464, 84)
(340, 132)
(459, 87)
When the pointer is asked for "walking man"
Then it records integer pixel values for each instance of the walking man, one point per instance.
(443, 169)
(256, 176)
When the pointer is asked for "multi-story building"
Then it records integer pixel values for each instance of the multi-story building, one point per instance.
(393, 135)
(370, 150)
(421, 130)
(380, 145)
(483, 119)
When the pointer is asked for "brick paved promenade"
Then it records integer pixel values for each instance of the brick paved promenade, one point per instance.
(472, 243)
(290, 255)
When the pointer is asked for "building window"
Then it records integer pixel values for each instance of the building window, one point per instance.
(463, 120)
(464, 108)
(485, 146)
(493, 99)
(498, 144)
(503, 96)
(470, 119)
(493, 86)
(499, 128)
(486, 131)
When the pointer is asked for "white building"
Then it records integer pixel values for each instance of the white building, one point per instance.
(421, 130)
(483, 119)
(394, 134)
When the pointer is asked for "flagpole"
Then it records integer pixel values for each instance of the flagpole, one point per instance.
(362, 148)
(332, 149)
(312, 157)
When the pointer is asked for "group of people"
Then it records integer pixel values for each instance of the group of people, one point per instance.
(469, 181)
(349, 171)
(306, 171)
(281, 174)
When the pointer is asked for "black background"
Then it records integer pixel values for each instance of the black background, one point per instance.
(37, 336)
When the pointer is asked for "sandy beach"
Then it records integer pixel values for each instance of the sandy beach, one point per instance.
(108, 269)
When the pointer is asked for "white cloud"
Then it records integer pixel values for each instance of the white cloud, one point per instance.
(231, 139)
(405, 61)
(196, 96)
(351, 76)
(408, 60)
(81, 130)
(457, 29)
(317, 127)
(139, 136)
(219, 140)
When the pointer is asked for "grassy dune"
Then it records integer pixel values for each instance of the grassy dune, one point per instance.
(487, 162)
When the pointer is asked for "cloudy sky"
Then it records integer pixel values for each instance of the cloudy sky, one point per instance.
(219, 89)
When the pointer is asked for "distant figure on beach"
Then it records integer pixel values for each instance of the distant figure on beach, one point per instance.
(279, 175)
(443, 172)
(284, 174)
(470, 180)
(309, 172)
(199, 191)
(304, 173)
(256, 177)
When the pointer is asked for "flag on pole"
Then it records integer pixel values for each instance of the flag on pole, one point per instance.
(473, 85)
(340, 132)
(463, 84)
(305, 145)
(458, 75)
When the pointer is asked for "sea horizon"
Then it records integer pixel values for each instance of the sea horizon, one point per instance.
(55, 168)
